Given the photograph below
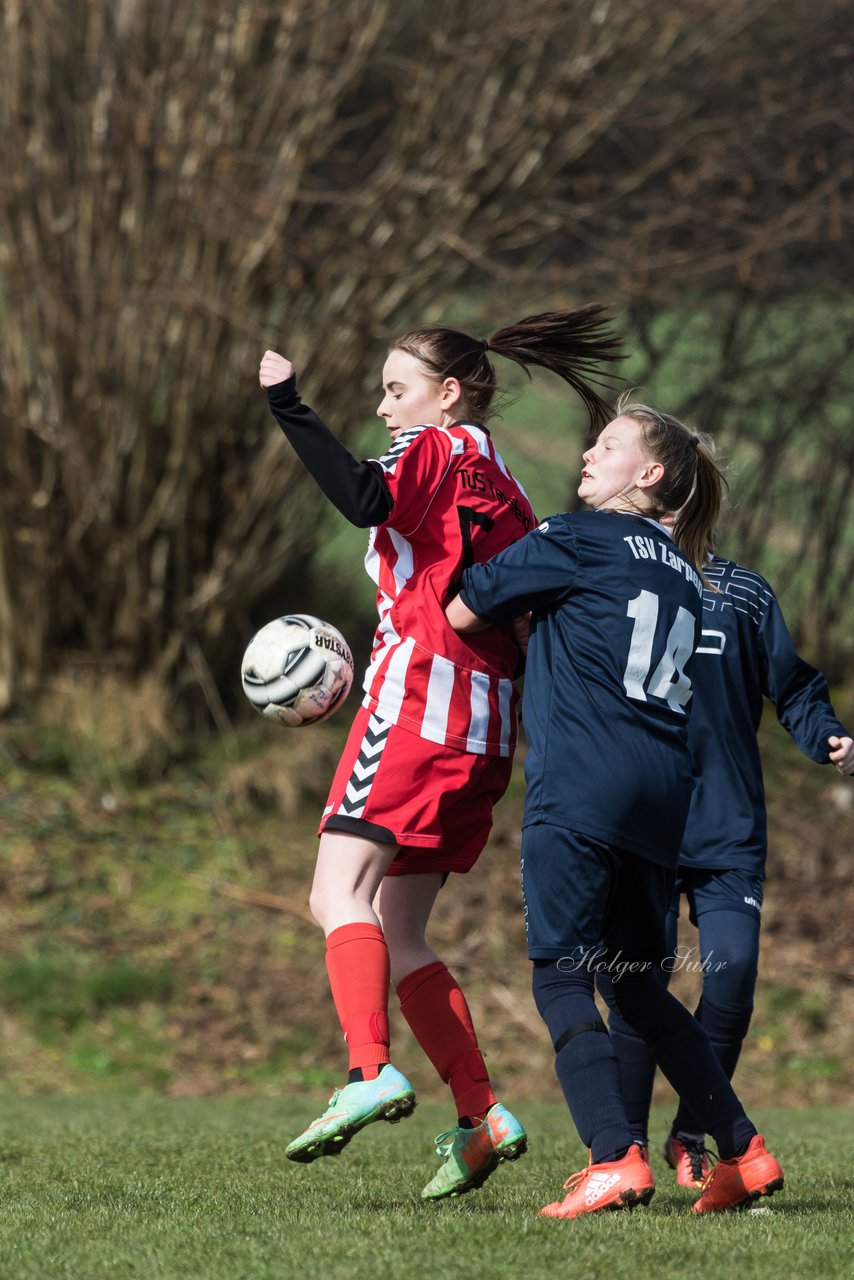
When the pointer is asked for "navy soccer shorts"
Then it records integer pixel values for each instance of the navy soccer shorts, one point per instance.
(707, 889)
(590, 904)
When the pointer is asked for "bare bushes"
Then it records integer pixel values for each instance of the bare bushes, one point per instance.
(186, 184)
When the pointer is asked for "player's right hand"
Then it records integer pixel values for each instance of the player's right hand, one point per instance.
(274, 368)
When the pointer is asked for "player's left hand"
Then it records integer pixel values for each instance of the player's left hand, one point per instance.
(842, 754)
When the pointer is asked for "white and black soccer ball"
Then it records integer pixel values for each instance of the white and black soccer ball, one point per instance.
(297, 669)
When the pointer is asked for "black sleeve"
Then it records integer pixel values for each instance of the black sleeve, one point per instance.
(357, 489)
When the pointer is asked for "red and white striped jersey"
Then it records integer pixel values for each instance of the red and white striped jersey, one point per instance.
(454, 504)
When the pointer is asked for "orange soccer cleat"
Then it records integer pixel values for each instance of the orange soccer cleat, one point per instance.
(617, 1184)
(743, 1178)
(690, 1159)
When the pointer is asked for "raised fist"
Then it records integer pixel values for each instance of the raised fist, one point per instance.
(274, 368)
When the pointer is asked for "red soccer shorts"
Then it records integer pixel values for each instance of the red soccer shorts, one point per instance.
(395, 787)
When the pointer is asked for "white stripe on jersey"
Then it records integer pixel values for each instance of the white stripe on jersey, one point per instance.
(479, 727)
(505, 693)
(513, 478)
(438, 701)
(394, 682)
(402, 567)
(385, 640)
(487, 449)
(481, 439)
(384, 603)
(372, 558)
(499, 462)
(457, 445)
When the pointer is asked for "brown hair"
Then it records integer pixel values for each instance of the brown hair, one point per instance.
(570, 343)
(693, 483)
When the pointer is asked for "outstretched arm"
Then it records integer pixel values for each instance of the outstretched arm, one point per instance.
(357, 489)
(798, 691)
(531, 574)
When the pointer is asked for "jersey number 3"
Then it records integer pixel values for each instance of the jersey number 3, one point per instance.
(668, 681)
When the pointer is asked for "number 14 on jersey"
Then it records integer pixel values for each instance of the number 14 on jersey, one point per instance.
(668, 681)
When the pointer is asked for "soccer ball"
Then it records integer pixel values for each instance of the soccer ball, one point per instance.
(297, 669)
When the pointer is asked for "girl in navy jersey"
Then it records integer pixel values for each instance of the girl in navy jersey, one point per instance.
(616, 603)
(431, 748)
(745, 655)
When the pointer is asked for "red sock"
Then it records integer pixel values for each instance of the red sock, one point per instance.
(435, 1008)
(358, 967)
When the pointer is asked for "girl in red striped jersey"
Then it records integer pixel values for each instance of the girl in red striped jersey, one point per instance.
(430, 750)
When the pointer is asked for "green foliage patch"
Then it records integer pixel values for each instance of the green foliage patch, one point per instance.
(66, 989)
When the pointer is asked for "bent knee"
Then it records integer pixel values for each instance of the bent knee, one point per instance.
(317, 905)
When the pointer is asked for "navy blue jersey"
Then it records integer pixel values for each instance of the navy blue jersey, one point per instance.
(616, 612)
(745, 653)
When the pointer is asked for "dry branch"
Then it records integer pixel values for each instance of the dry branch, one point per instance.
(183, 185)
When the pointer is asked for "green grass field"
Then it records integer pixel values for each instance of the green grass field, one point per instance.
(166, 1188)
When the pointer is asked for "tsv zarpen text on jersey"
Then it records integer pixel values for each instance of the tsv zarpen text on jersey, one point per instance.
(644, 548)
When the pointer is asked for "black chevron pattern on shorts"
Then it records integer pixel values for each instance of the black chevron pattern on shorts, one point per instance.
(365, 768)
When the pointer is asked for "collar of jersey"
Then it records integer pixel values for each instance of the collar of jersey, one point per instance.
(470, 422)
(649, 520)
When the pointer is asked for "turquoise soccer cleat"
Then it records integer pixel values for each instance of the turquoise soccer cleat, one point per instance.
(471, 1155)
(389, 1097)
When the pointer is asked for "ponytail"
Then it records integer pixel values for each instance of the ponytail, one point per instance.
(694, 526)
(570, 343)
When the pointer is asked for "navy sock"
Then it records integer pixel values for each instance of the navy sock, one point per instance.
(729, 946)
(682, 1050)
(585, 1063)
(637, 1075)
(637, 1066)
(726, 1029)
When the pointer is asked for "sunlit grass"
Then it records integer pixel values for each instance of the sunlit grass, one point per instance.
(163, 1189)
